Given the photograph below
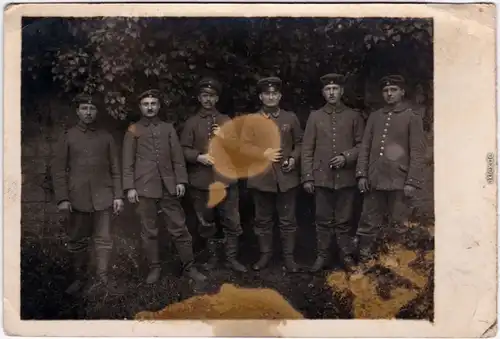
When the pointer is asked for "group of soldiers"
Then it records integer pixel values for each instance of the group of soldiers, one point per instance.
(335, 155)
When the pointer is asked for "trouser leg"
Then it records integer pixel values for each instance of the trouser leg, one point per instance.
(176, 226)
(285, 205)
(79, 232)
(324, 204)
(372, 216)
(398, 206)
(264, 203)
(103, 242)
(207, 227)
(231, 226)
(149, 230)
(344, 204)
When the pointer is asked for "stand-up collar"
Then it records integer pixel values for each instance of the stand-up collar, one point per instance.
(147, 121)
(275, 113)
(396, 108)
(329, 108)
(86, 127)
(207, 112)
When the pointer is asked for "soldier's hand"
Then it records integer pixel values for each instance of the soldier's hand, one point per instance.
(337, 162)
(117, 206)
(132, 196)
(289, 165)
(363, 185)
(409, 190)
(180, 189)
(65, 206)
(309, 187)
(273, 154)
(217, 131)
(205, 159)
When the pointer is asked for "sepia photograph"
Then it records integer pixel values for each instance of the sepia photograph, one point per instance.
(231, 167)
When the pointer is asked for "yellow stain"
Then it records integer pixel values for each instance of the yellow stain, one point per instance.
(367, 303)
(252, 132)
(231, 302)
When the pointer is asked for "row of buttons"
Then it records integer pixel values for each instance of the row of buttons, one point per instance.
(385, 133)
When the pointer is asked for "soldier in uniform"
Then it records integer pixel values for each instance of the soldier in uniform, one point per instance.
(196, 136)
(276, 188)
(389, 167)
(329, 153)
(154, 176)
(87, 182)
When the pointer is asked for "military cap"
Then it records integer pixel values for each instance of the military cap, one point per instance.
(209, 84)
(150, 93)
(392, 80)
(268, 83)
(332, 78)
(84, 99)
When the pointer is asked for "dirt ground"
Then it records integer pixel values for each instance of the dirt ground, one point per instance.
(402, 292)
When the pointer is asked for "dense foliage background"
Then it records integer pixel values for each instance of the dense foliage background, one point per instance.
(119, 57)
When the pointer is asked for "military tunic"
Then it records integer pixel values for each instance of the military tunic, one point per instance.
(195, 139)
(86, 172)
(332, 131)
(274, 189)
(153, 164)
(391, 156)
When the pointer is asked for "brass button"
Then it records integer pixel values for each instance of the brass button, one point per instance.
(381, 153)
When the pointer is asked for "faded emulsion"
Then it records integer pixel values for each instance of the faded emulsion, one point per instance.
(228, 168)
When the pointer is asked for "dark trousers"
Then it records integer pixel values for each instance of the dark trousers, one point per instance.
(228, 210)
(175, 220)
(376, 206)
(334, 211)
(95, 225)
(266, 203)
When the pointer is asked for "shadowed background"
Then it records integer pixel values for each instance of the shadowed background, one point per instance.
(117, 58)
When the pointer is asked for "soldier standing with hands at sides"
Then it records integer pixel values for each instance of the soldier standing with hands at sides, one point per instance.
(154, 176)
(87, 184)
(329, 152)
(275, 188)
(389, 168)
(198, 132)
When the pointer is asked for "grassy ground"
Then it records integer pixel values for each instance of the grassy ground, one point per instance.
(386, 292)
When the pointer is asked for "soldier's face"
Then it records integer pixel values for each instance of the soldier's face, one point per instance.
(332, 93)
(270, 98)
(393, 94)
(150, 107)
(208, 100)
(87, 113)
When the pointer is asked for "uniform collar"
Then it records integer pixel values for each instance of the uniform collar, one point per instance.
(204, 113)
(329, 108)
(396, 108)
(274, 114)
(147, 121)
(86, 127)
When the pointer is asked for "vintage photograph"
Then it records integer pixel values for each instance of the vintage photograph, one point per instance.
(250, 168)
(272, 170)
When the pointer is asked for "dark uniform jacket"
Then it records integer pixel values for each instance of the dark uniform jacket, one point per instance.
(152, 158)
(86, 169)
(331, 131)
(195, 140)
(255, 140)
(392, 152)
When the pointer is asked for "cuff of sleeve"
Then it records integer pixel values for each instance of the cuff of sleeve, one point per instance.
(413, 182)
(360, 174)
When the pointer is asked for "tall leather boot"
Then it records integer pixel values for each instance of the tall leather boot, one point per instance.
(288, 240)
(346, 247)
(79, 272)
(102, 281)
(266, 251)
(153, 256)
(185, 250)
(323, 239)
(231, 254)
(366, 257)
(212, 255)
